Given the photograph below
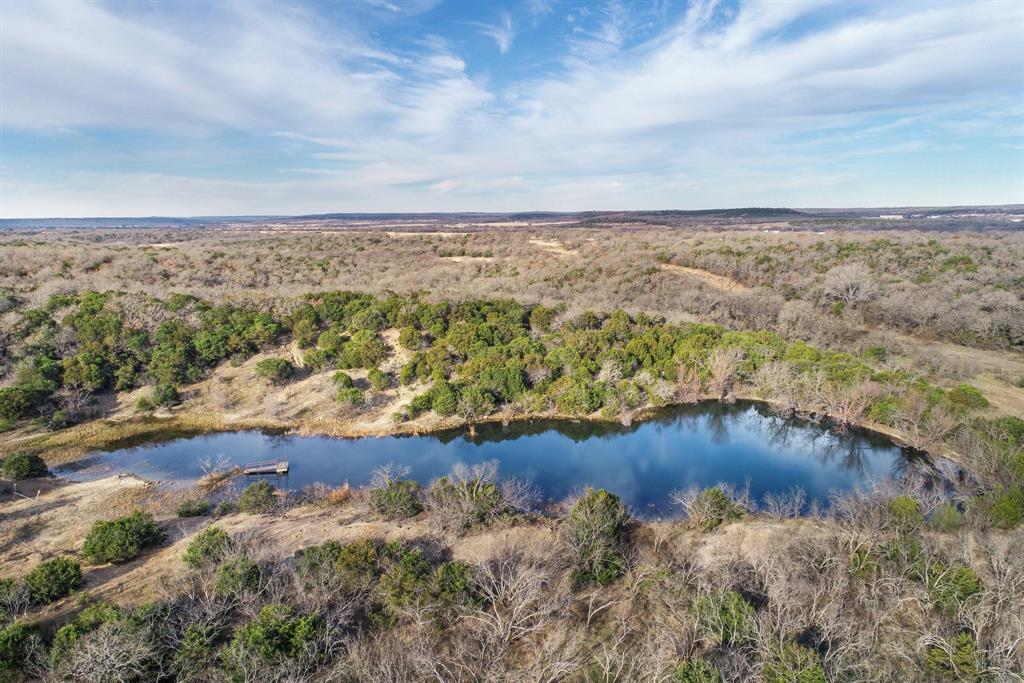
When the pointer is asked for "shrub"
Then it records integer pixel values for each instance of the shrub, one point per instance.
(594, 530)
(1003, 506)
(946, 518)
(257, 498)
(358, 565)
(143, 405)
(225, 507)
(277, 370)
(207, 548)
(166, 395)
(92, 616)
(193, 507)
(276, 633)
(343, 380)
(15, 641)
(395, 498)
(236, 576)
(904, 514)
(950, 587)
(379, 380)
(409, 581)
(965, 398)
(410, 338)
(711, 507)
(794, 664)
(349, 397)
(958, 661)
(53, 579)
(696, 671)
(443, 399)
(318, 560)
(471, 497)
(726, 616)
(24, 466)
(122, 539)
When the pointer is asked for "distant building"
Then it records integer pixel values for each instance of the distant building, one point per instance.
(891, 216)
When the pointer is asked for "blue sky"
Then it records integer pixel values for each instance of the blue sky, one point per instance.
(229, 108)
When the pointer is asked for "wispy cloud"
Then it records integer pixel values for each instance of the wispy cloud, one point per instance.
(796, 102)
(502, 31)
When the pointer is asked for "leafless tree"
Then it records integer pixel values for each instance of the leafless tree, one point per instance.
(722, 367)
(787, 504)
(112, 653)
(472, 495)
(922, 425)
(519, 596)
(850, 283)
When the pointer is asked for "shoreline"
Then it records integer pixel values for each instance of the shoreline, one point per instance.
(106, 434)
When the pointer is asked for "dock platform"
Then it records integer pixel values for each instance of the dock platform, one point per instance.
(266, 467)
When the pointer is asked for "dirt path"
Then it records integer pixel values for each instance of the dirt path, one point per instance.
(716, 281)
(553, 247)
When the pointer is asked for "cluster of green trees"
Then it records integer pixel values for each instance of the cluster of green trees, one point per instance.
(473, 356)
(94, 346)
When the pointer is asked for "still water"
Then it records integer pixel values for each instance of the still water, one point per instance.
(741, 444)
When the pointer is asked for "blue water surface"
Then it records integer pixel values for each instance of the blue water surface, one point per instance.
(741, 444)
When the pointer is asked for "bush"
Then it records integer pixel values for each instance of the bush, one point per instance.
(950, 587)
(275, 634)
(946, 518)
(358, 565)
(904, 514)
(225, 507)
(794, 664)
(207, 548)
(257, 498)
(15, 598)
(410, 338)
(594, 530)
(379, 380)
(166, 395)
(1003, 506)
(24, 466)
(727, 617)
(15, 641)
(965, 398)
(960, 662)
(470, 497)
(343, 380)
(122, 539)
(193, 507)
(713, 506)
(277, 370)
(696, 671)
(237, 576)
(53, 580)
(349, 397)
(92, 616)
(318, 560)
(396, 498)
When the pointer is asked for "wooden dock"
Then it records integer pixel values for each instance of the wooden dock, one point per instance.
(266, 467)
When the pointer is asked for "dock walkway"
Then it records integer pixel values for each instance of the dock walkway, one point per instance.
(266, 467)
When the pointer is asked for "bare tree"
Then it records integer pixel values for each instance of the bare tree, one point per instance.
(850, 283)
(722, 367)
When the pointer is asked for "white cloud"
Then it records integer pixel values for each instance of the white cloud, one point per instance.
(702, 112)
(502, 32)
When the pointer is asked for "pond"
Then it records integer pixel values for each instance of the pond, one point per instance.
(740, 444)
